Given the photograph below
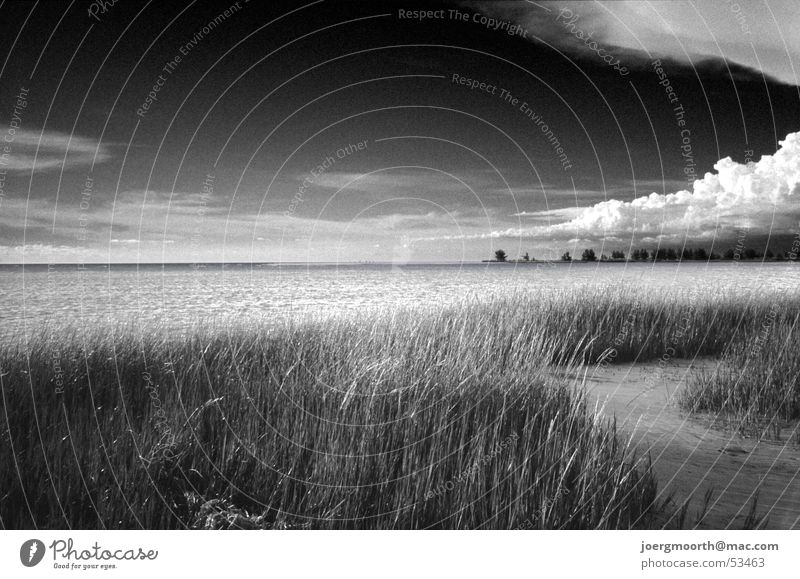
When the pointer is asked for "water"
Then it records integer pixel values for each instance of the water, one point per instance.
(177, 295)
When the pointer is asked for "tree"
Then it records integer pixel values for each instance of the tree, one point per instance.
(750, 253)
(671, 255)
(588, 255)
(769, 254)
(687, 254)
(643, 255)
(500, 255)
(700, 253)
(566, 256)
(616, 254)
(636, 254)
(603, 257)
(660, 254)
(729, 254)
(714, 256)
(526, 257)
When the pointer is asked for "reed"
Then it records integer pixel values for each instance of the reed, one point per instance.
(430, 419)
(755, 387)
(449, 417)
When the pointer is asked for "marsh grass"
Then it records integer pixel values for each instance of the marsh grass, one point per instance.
(755, 387)
(380, 421)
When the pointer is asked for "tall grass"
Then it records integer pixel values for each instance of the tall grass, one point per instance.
(756, 385)
(428, 418)
(412, 420)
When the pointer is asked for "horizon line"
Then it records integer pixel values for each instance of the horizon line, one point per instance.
(198, 264)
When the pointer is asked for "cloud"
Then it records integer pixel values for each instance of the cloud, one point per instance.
(735, 194)
(762, 196)
(550, 214)
(759, 37)
(175, 201)
(50, 150)
(408, 180)
(37, 252)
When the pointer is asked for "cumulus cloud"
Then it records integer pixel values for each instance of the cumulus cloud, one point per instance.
(735, 194)
(763, 196)
(50, 150)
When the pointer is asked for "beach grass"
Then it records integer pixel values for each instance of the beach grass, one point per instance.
(755, 387)
(416, 418)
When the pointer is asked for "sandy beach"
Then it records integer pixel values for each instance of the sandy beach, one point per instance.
(694, 454)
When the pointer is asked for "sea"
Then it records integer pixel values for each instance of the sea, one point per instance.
(177, 295)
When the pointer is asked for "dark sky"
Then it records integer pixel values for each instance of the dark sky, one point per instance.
(350, 131)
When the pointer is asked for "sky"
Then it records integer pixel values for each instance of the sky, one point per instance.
(343, 131)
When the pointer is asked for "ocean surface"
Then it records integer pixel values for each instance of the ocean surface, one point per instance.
(179, 295)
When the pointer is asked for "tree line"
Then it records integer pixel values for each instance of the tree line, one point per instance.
(667, 254)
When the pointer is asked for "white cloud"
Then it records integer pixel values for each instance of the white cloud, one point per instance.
(49, 150)
(550, 214)
(735, 194)
(401, 179)
(763, 196)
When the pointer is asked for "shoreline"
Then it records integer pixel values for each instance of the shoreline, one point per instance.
(693, 454)
(351, 264)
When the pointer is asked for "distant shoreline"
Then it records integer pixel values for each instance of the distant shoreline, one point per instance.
(623, 261)
(267, 264)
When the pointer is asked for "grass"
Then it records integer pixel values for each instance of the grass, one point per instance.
(431, 418)
(756, 385)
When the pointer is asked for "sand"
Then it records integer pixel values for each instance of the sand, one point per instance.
(692, 454)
